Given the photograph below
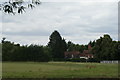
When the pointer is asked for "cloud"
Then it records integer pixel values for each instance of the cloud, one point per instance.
(79, 22)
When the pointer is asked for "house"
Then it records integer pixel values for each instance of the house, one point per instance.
(86, 53)
(76, 54)
(72, 54)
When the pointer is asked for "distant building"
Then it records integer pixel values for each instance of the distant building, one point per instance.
(86, 55)
(72, 54)
(76, 54)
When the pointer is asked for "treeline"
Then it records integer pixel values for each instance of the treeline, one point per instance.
(102, 49)
(15, 52)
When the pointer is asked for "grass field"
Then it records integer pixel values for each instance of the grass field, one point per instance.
(58, 70)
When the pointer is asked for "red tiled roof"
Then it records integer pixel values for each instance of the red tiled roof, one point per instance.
(72, 52)
(85, 51)
(86, 55)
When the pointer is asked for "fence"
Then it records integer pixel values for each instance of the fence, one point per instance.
(115, 62)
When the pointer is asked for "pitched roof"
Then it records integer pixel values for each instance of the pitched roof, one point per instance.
(72, 52)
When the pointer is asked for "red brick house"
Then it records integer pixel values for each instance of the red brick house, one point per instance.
(86, 53)
(76, 54)
(72, 54)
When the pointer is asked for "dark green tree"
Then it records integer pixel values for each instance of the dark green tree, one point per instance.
(76, 47)
(57, 45)
(92, 43)
(15, 52)
(115, 50)
(70, 46)
(105, 48)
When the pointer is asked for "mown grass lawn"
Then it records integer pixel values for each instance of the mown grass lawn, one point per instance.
(58, 70)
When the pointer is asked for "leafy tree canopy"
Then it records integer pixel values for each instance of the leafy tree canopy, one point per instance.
(17, 6)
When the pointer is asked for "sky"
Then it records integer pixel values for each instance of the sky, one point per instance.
(76, 21)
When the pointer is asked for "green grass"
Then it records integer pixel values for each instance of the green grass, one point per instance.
(58, 70)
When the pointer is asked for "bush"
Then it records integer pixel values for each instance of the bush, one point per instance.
(76, 60)
(92, 60)
(82, 60)
(59, 59)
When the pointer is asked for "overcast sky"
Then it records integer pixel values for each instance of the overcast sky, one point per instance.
(78, 22)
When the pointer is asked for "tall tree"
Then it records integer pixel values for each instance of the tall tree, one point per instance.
(57, 45)
(105, 48)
